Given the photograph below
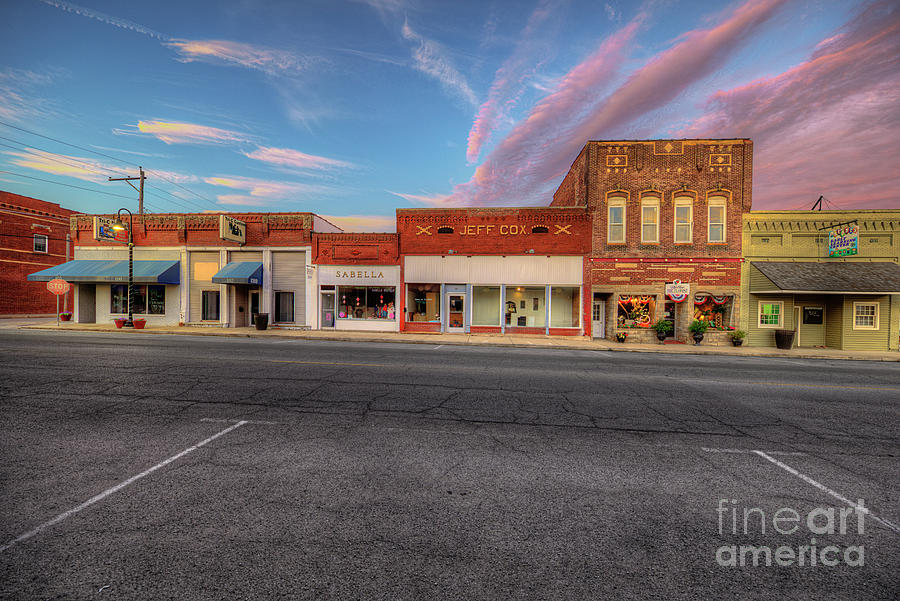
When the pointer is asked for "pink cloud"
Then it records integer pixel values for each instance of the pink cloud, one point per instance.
(826, 126)
(431, 200)
(508, 82)
(174, 132)
(526, 166)
(287, 157)
(268, 60)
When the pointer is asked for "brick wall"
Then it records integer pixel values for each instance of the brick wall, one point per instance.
(356, 249)
(21, 217)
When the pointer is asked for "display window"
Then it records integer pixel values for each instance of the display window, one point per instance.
(715, 310)
(564, 307)
(144, 299)
(526, 306)
(423, 302)
(636, 311)
(486, 306)
(366, 302)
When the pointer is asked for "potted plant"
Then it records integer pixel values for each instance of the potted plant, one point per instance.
(663, 329)
(65, 315)
(737, 337)
(120, 322)
(621, 336)
(139, 323)
(697, 329)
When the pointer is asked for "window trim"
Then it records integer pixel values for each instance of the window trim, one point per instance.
(683, 201)
(650, 202)
(616, 203)
(759, 314)
(146, 299)
(46, 244)
(877, 306)
(275, 315)
(717, 202)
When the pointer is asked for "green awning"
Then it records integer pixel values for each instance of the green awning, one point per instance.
(80, 270)
(240, 273)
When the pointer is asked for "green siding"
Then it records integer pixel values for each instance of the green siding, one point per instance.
(834, 320)
(867, 340)
(757, 336)
(760, 282)
(811, 334)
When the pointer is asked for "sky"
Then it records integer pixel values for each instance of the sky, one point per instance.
(352, 108)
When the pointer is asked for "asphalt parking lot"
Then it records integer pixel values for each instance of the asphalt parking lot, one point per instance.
(194, 468)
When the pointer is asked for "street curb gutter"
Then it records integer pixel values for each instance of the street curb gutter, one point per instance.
(685, 350)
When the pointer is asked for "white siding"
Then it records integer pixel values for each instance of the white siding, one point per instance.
(537, 271)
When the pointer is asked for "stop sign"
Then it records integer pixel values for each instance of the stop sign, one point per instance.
(58, 286)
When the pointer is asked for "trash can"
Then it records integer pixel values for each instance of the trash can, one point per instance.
(262, 321)
(784, 339)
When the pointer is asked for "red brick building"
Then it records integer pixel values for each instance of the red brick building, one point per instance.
(33, 236)
(661, 211)
(492, 270)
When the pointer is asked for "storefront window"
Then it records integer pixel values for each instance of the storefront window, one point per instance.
(284, 307)
(423, 302)
(714, 310)
(366, 302)
(145, 299)
(526, 307)
(636, 311)
(486, 306)
(564, 307)
(770, 314)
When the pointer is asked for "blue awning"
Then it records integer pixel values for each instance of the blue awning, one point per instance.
(240, 273)
(80, 270)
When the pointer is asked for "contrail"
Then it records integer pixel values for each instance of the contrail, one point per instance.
(98, 16)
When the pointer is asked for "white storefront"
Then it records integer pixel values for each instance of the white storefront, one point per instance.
(530, 294)
(358, 297)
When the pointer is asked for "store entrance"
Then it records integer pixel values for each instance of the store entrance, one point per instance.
(327, 310)
(598, 318)
(456, 321)
(669, 315)
(254, 306)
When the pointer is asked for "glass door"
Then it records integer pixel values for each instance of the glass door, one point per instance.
(669, 315)
(327, 310)
(456, 313)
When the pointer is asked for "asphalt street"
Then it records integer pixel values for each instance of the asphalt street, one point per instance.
(181, 467)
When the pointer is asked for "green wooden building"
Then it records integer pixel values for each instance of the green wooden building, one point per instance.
(831, 277)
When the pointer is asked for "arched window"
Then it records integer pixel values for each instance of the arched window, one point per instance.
(650, 220)
(615, 233)
(445, 230)
(716, 229)
(540, 229)
(684, 220)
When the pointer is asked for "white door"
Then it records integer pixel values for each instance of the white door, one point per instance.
(598, 319)
(796, 327)
(456, 313)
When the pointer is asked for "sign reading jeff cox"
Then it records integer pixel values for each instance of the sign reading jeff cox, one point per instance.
(232, 229)
(504, 229)
(843, 240)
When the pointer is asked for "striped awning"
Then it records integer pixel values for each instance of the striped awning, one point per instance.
(240, 273)
(81, 270)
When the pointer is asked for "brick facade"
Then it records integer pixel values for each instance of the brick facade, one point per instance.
(21, 217)
(355, 249)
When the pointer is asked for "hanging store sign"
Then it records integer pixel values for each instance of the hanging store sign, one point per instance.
(843, 240)
(678, 291)
(104, 232)
(494, 229)
(232, 229)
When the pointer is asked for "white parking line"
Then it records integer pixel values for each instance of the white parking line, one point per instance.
(827, 490)
(117, 488)
(748, 451)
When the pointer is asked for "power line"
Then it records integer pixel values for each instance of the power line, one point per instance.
(26, 145)
(50, 181)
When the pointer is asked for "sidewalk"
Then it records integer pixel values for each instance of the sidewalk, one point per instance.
(498, 340)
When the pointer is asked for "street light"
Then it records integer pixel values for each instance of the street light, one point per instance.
(119, 225)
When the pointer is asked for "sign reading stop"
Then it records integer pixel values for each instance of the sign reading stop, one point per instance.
(58, 286)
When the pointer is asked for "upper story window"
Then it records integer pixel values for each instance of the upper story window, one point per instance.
(616, 221)
(445, 230)
(684, 220)
(40, 243)
(716, 227)
(650, 220)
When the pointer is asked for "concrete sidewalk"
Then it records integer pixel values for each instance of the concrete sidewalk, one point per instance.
(499, 340)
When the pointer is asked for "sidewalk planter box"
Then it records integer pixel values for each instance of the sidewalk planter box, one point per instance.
(139, 323)
(120, 322)
(262, 321)
(784, 339)
(65, 316)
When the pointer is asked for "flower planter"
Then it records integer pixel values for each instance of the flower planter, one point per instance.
(661, 336)
(737, 341)
(139, 323)
(120, 322)
(784, 339)
(698, 337)
(65, 316)
(621, 337)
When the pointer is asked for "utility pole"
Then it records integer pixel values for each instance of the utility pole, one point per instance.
(818, 203)
(140, 190)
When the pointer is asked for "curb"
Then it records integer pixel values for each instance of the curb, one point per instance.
(690, 350)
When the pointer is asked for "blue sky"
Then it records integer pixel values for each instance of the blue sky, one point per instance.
(353, 108)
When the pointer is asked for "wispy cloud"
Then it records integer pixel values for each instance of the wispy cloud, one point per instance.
(812, 123)
(20, 100)
(288, 157)
(225, 52)
(104, 18)
(430, 58)
(178, 132)
(62, 164)
(267, 189)
(509, 81)
(431, 200)
(363, 223)
(526, 164)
